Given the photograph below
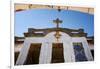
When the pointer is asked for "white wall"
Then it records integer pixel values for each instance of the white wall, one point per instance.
(46, 48)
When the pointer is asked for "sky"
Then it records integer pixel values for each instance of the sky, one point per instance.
(43, 18)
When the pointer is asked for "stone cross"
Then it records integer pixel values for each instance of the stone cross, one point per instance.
(57, 21)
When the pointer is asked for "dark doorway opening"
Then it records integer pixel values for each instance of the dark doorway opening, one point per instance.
(57, 53)
(33, 54)
(92, 52)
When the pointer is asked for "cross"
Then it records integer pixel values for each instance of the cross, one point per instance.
(57, 21)
(57, 34)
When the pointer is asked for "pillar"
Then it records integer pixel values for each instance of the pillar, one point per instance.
(45, 53)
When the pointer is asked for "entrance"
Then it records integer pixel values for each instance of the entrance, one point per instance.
(33, 54)
(57, 53)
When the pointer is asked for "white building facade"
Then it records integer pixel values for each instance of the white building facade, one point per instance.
(75, 48)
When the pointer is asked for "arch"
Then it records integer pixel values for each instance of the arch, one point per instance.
(23, 7)
(46, 48)
(50, 37)
(67, 45)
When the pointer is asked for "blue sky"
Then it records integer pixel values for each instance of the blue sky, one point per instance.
(43, 18)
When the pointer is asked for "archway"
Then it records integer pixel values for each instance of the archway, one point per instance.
(66, 48)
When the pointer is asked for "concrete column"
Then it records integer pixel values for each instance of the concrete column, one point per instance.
(68, 48)
(68, 52)
(87, 50)
(45, 53)
(23, 53)
(73, 53)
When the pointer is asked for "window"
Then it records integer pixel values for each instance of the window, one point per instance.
(79, 52)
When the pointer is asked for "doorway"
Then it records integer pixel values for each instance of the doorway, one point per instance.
(33, 54)
(57, 53)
